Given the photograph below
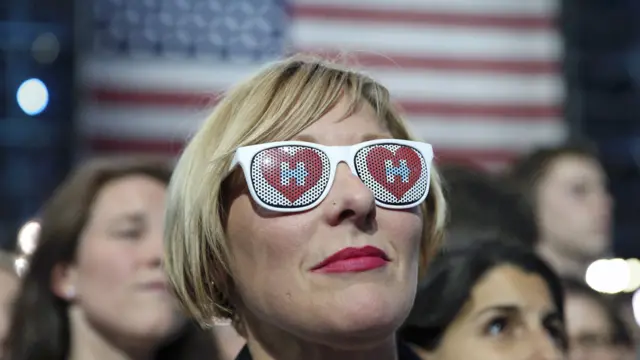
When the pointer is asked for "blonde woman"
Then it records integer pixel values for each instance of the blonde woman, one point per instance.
(304, 211)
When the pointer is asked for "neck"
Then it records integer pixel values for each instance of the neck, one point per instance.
(562, 262)
(276, 344)
(89, 344)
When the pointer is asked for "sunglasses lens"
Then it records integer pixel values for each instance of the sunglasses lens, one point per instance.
(396, 174)
(290, 176)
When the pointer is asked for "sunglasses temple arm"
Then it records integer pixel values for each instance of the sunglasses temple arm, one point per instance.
(234, 162)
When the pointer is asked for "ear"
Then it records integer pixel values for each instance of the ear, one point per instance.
(63, 281)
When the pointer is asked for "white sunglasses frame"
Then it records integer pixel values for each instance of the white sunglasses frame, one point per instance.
(336, 154)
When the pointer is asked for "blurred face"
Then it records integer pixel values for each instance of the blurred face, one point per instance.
(510, 315)
(574, 207)
(273, 255)
(117, 279)
(8, 289)
(589, 330)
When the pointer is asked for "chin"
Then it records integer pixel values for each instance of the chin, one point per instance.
(363, 312)
(598, 245)
(156, 326)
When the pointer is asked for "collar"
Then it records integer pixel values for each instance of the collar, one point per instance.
(404, 353)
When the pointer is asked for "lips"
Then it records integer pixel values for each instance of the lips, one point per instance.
(353, 260)
(155, 285)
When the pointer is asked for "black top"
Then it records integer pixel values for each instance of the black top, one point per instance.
(404, 353)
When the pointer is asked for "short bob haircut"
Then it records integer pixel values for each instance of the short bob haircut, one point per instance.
(276, 104)
(450, 281)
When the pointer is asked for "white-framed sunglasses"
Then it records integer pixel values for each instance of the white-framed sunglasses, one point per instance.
(294, 176)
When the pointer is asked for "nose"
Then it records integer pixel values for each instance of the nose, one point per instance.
(603, 206)
(349, 200)
(151, 249)
(606, 203)
(544, 347)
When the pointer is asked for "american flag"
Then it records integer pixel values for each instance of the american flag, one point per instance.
(479, 79)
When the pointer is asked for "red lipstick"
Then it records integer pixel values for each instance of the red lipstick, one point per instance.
(353, 260)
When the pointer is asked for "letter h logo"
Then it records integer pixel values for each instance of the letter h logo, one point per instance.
(299, 173)
(403, 171)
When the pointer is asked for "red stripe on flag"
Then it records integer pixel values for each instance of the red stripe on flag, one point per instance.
(482, 112)
(397, 61)
(513, 22)
(196, 101)
(174, 147)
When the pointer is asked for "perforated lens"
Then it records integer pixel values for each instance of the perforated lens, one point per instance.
(396, 174)
(290, 176)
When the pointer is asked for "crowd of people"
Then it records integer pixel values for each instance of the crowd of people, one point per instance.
(303, 221)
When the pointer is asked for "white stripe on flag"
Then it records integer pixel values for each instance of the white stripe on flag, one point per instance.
(404, 84)
(492, 7)
(151, 123)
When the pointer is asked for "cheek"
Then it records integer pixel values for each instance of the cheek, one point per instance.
(102, 274)
(264, 248)
(463, 346)
(555, 212)
(403, 229)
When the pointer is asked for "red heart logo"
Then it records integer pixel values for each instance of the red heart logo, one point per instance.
(381, 160)
(292, 174)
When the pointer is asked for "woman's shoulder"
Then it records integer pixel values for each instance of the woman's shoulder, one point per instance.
(404, 353)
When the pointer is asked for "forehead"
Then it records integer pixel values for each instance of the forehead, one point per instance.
(585, 315)
(339, 127)
(125, 193)
(507, 284)
(571, 167)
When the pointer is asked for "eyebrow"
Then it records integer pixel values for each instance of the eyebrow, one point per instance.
(506, 308)
(134, 217)
(307, 138)
(365, 137)
(549, 314)
(369, 137)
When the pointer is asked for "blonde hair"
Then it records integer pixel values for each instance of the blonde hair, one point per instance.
(276, 104)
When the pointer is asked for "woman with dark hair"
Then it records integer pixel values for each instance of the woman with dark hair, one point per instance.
(9, 285)
(594, 326)
(493, 300)
(95, 288)
(567, 188)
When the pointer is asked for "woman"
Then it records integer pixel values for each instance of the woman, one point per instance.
(567, 187)
(301, 211)
(493, 301)
(95, 288)
(9, 283)
(595, 328)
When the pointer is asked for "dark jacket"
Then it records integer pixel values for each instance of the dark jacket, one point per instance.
(404, 353)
